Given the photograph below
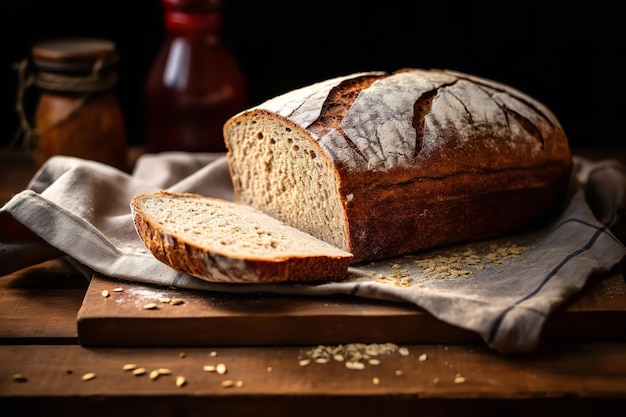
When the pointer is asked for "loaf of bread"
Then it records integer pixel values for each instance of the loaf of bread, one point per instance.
(222, 241)
(381, 164)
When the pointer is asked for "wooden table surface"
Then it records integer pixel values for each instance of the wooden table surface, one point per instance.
(43, 365)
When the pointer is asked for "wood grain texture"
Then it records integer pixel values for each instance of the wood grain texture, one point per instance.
(556, 379)
(206, 319)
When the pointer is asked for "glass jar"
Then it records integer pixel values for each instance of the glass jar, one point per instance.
(77, 113)
(195, 84)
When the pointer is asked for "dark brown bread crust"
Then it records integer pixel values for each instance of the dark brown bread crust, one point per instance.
(479, 159)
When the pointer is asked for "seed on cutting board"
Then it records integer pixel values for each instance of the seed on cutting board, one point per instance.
(165, 300)
(154, 374)
(139, 371)
(19, 378)
(150, 306)
(213, 353)
(129, 367)
(180, 381)
(176, 301)
(423, 357)
(304, 362)
(376, 381)
(88, 376)
(105, 293)
(403, 351)
(118, 289)
(374, 362)
(220, 369)
(458, 379)
(208, 368)
(164, 371)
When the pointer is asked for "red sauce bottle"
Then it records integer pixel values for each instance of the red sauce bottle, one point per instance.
(195, 84)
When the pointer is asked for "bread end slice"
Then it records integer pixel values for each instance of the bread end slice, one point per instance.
(222, 241)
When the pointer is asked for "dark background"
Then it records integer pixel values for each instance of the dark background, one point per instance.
(572, 59)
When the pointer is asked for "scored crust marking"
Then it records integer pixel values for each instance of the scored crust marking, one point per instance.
(337, 104)
(420, 110)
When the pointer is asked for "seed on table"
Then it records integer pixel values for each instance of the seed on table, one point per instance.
(139, 371)
(129, 367)
(164, 371)
(213, 353)
(150, 306)
(220, 369)
(154, 374)
(423, 357)
(209, 368)
(228, 383)
(118, 289)
(19, 378)
(176, 301)
(180, 381)
(88, 376)
(304, 362)
(375, 381)
(355, 365)
(165, 300)
(105, 293)
(403, 351)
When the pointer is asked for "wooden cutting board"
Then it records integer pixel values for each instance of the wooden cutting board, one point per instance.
(217, 319)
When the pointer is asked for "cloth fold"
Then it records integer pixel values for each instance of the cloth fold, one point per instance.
(503, 289)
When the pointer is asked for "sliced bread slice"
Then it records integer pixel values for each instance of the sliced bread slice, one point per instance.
(222, 241)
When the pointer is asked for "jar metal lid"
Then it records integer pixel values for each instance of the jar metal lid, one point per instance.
(74, 54)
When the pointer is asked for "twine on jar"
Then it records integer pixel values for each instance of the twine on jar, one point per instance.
(96, 81)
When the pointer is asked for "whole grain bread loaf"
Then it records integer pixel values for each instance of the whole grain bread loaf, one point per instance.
(383, 164)
(222, 241)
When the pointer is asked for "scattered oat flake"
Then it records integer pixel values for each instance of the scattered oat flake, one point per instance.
(129, 367)
(150, 306)
(105, 293)
(180, 381)
(88, 376)
(355, 365)
(19, 378)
